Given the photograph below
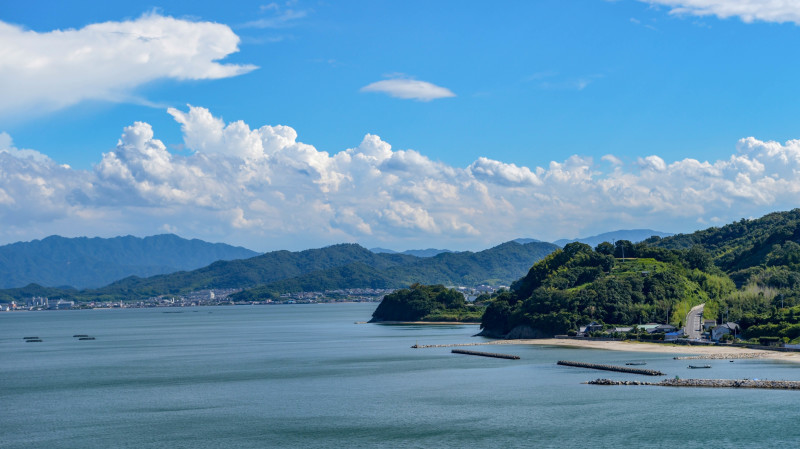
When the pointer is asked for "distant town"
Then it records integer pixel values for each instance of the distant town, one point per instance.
(218, 297)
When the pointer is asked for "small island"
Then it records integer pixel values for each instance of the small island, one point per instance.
(427, 304)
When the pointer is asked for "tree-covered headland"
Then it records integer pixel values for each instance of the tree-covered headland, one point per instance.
(426, 303)
(579, 284)
(746, 272)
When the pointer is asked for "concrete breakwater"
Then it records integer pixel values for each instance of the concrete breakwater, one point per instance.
(418, 346)
(621, 369)
(486, 354)
(734, 355)
(708, 383)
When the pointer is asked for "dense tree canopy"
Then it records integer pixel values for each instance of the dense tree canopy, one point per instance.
(578, 284)
(425, 303)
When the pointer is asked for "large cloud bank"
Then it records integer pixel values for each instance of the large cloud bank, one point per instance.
(264, 189)
(107, 61)
(748, 10)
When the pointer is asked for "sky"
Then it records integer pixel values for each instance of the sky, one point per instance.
(414, 124)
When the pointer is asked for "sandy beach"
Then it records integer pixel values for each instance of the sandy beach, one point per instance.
(653, 347)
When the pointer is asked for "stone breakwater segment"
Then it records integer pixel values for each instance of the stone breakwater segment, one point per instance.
(486, 354)
(708, 383)
(735, 355)
(451, 345)
(621, 369)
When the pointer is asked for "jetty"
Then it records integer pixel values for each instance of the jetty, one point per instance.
(486, 354)
(451, 345)
(620, 369)
(708, 383)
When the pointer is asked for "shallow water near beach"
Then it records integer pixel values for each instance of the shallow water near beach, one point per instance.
(308, 376)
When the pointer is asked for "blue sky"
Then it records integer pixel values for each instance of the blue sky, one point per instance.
(544, 119)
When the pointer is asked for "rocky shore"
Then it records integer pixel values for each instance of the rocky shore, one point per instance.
(708, 383)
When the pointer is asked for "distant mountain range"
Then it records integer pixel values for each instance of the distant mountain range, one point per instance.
(430, 252)
(93, 262)
(494, 266)
(524, 241)
(334, 267)
(162, 264)
(632, 235)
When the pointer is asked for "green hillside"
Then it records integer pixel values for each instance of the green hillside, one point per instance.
(333, 267)
(747, 271)
(497, 266)
(255, 271)
(578, 284)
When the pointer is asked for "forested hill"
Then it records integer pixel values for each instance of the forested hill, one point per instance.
(764, 250)
(749, 269)
(255, 271)
(333, 267)
(579, 284)
(632, 235)
(93, 262)
(497, 266)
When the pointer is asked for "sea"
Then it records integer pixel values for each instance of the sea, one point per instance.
(316, 376)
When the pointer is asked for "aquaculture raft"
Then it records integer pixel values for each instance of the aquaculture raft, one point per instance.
(486, 354)
(621, 369)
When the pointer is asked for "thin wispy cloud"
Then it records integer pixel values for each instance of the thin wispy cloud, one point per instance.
(552, 80)
(279, 17)
(42, 72)
(779, 11)
(409, 89)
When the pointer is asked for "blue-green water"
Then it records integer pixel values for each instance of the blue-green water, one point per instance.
(308, 376)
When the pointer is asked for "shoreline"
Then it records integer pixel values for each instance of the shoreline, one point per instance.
(433, 323)
(656, 348)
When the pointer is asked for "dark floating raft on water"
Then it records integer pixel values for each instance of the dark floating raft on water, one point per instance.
(486, 354)
(83, 337)
(621, 369)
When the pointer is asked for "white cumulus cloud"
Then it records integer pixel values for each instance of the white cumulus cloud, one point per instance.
(264, 188)
(747, 10)
(107, 61)
(409, 89)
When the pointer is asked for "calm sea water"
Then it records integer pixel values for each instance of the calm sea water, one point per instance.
(308, 376)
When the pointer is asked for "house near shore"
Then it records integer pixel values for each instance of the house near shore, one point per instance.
(594, 326)
(663, 329)
(647, 327)
(673, 336)
(724, 329)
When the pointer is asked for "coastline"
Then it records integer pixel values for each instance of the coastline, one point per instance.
(660, 348)
(433, 323)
